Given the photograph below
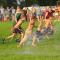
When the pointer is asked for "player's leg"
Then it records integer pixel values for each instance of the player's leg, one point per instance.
(47, 23)
(34, 41)
(11, 36)
(23, 40)
(24, 37)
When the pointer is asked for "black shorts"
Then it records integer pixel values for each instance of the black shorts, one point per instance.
(18, 30)
(38, 34)
(48, 31)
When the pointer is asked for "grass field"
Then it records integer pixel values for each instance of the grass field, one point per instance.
(47, 49)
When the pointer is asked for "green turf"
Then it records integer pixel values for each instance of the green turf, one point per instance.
(47, 49)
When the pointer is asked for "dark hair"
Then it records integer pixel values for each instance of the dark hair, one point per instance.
(20, 6)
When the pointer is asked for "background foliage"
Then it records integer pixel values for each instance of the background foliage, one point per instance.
(28, 2)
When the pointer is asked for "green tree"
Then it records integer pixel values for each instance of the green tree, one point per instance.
(3, 3)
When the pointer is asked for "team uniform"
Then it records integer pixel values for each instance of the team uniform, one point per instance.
(48, 23)
(19, 29)
(17, 24)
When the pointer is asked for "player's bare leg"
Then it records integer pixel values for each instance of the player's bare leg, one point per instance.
(34, 41)
(11, 36)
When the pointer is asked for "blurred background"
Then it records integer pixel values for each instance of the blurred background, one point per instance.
(10, 3)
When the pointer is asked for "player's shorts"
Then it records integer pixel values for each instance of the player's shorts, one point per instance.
(48, 31)
(18, 30)
(38, 35)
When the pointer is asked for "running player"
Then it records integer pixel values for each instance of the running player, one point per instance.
(18, 22)
(38, 35)
(48, 22)
(29, 30)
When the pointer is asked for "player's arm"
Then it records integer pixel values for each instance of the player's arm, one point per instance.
(19, 22)
(15, 18)
(46, 15)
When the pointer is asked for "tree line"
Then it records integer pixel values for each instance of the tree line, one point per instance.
(9, 3)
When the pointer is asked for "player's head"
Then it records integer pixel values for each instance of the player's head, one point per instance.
(19, 6)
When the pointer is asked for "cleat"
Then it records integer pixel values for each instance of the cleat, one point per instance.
(18, 40)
